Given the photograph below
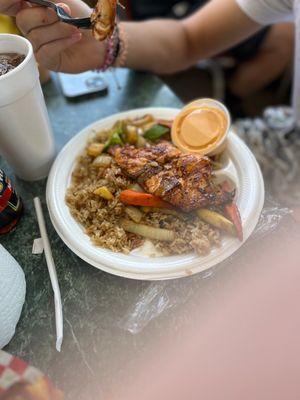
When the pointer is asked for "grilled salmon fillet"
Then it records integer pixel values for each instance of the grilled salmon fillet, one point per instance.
(184, 180)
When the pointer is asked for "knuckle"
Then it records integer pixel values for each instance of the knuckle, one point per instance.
(33, 37)
(63, 29)
(30, 18)
(48, 17)
(41, 16)
(20, 20)
(45, 58)
(40, 56)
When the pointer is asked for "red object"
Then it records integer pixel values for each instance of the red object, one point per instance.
(232, 212)
(17, 365)
(11, 206)
(13, 369)
(133, 198)
(5, 196)
(226, 186)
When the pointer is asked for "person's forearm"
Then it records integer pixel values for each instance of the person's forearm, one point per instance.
(167, 46)
(159, 46)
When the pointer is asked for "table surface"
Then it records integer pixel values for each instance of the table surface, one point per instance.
(96, 348)
(92, 300)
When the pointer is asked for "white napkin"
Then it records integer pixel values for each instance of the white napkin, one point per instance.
(12, 295)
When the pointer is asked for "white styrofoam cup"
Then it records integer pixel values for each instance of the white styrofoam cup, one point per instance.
(26, 139)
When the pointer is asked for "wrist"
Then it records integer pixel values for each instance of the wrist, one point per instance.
(121, 59)
(97, 53)
(113, 50)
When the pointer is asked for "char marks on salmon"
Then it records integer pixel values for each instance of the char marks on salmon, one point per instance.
(184, 180)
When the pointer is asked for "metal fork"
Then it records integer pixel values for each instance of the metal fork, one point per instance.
(84, 23)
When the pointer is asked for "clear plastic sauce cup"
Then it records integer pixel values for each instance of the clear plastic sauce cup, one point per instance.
(201, 127)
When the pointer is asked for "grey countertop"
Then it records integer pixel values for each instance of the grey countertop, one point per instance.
(96, 348)
(93, 301)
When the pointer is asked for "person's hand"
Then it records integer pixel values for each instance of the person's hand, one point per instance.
(10, 7)
(57, 45)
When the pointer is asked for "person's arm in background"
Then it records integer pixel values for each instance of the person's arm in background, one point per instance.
(277, 50)
(176, 45)
(161, 46)
(275, 56)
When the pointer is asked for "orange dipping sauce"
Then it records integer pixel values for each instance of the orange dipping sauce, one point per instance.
(200, 128)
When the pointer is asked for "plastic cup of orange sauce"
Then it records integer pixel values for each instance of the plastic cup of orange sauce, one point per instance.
(201, 127)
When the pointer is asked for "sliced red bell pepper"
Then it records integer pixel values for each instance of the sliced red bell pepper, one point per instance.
(226, 186)
(232, 212)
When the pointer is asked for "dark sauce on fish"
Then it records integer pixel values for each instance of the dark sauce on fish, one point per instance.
(9, 61)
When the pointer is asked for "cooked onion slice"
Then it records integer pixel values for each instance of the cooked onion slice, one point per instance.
(134, 213)
(148, 232)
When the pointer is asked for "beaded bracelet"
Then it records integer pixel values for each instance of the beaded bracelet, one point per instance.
(123, 47)
(112, 50)
(116, 49)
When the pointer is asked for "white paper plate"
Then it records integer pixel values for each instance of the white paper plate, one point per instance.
(240, 166)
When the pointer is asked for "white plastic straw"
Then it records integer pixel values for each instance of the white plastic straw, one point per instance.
(52, 273)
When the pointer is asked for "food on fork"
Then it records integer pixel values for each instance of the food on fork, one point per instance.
(104, 19)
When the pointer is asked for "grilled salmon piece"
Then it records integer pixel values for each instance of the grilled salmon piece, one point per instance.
(184, 180)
